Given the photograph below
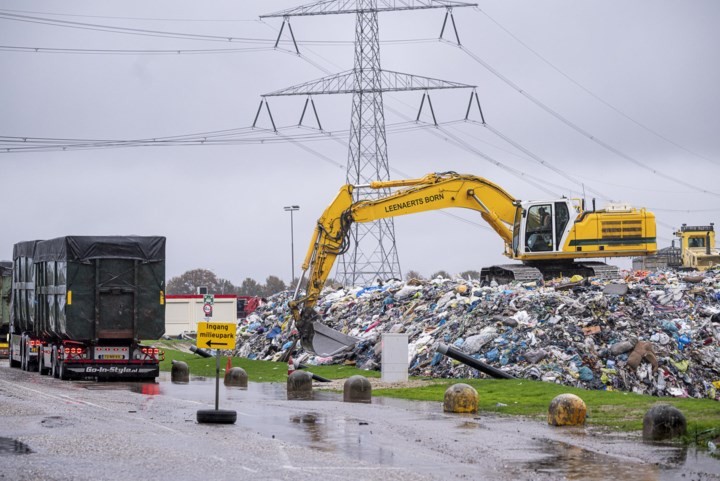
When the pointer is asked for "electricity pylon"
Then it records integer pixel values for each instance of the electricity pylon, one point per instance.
(372, 251)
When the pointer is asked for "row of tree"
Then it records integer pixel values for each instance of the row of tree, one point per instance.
(188, 283)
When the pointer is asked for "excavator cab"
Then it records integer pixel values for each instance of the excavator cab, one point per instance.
(697, 247)
(542, 226)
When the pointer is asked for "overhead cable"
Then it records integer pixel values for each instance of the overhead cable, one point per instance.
(247, 135)
(582, 131)
(54, 14)
(175, 35)
(87, 51)
(129, 30)
(591, 93)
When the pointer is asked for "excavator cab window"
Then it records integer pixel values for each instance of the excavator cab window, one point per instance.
(539, 228)
(696, 242)
(519, 214)
(562, 217)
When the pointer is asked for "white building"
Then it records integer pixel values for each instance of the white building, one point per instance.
(184, 311)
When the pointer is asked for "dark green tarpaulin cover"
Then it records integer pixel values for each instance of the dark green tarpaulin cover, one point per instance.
(84, 248)
(24, 249)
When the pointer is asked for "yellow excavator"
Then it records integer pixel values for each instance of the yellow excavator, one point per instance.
(547, 236)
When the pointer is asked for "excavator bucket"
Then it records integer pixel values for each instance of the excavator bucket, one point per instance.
(318, 338)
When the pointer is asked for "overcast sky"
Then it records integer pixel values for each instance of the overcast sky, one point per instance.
(620, 97)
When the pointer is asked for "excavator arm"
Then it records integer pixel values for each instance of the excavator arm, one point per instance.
(332, 235)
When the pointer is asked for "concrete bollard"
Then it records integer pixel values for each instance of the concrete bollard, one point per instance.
(236, 376)
(663, 421)
(180, 372)
(461, 398)
(567, 410)
(357, 389)
(299, 385)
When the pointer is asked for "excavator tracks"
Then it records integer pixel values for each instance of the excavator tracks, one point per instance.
(506, 273)
(600, 270)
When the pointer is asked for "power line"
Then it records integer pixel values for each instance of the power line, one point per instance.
(175, 35)
(533, 156)
(591, 93)
(239, 136)
(87, 51)
(130, 18)
(198, 51)
(128, 30)
(538, 159)
(582, 131)
(470, 149)
(467, 147)
(405, 175)
(175, 51)
(520, 174)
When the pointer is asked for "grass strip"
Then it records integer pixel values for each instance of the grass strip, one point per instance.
(615, 410)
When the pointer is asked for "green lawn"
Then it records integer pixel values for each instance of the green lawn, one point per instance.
(613, 409)
(610, 409)
(257, 371)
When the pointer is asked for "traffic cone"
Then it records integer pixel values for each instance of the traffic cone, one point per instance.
(228, 366)
(291, 366)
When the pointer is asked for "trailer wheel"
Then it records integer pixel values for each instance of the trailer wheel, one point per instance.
(62, 372)
(23, 357)
(54, 363)
(42, 369)
(13, 363)
(220, 416)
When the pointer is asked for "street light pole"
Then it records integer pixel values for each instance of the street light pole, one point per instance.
(291, 209)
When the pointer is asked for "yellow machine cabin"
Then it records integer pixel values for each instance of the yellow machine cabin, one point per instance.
(697, 247)
(550, 238)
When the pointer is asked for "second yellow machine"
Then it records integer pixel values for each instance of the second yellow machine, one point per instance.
(548, 236)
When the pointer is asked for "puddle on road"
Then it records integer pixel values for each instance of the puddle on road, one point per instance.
(354, 438)
(13, 446)
(565, 461)
(147, 388)
(57, 422)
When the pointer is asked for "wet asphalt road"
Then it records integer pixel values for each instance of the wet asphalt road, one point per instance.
(82, 430)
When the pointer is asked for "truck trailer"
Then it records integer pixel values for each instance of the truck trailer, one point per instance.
(5, 283)
(81, 306)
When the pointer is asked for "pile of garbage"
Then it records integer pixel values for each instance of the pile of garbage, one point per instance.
(652, 333)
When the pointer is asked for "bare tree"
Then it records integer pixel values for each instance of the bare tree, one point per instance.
(273, 285)
(188, 283)
(441, 273)
(250, 287)
(470, 275)
(413, 275)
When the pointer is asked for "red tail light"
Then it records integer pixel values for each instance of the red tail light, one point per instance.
(153, 352)
(75, 351)
(35, 343)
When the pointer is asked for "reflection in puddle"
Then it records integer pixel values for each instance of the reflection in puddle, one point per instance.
(315, 426)
(13, 446)
(566, 461)
(468, 425)
(147, 388)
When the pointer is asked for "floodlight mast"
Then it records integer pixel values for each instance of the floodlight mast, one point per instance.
(372, 253)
